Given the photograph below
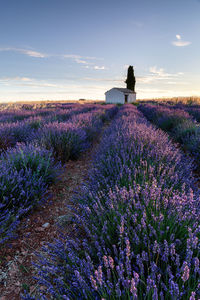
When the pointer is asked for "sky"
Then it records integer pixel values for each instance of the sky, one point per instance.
(65, 50)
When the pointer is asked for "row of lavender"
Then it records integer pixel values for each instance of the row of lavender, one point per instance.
(21, 125)
(30, 167)
(138, 215)
(54, 112)
(193, 110)
(179, 123)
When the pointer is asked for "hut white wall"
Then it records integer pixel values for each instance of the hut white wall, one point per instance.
(131, 98)
(114, 96)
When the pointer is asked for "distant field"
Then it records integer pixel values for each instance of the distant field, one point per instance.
(174, 100)
(39, 104)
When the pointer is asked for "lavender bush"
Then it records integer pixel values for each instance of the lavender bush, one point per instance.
(110, 111)
(26, 172)
(68, 139)
(13, 116)
(90, 122)
(8, 223)
(139, 214)
(179, 123)
(62, 114)
(13, 133)
(166, 118)
(35, 122)
(194, 111)
(65, 139)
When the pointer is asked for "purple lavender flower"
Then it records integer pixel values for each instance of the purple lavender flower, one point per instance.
(133, 288)
(186, 272)
(192, 297)
(196, 264)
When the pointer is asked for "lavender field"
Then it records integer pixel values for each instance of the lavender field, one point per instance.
(33, 144)
(135, 216)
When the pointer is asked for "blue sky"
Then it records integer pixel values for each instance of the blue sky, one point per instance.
(63, 49)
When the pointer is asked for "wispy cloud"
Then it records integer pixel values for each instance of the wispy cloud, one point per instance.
(66, 84)
(179, 42)
(26, 81)
(35, 86)
(42, 84)
(102, 79)
(81, 61)
(157, 74)
(160, 72)
(34, 53)
(77, 58)
(17, 79)
(87, 61)
(27, 52)
(99, 67)
(93, 67)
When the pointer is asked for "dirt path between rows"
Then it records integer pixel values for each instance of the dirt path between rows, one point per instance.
(16, 270)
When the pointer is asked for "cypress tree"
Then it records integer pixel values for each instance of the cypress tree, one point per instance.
(130, 81)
